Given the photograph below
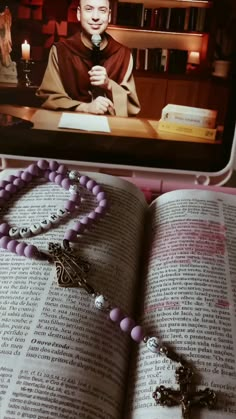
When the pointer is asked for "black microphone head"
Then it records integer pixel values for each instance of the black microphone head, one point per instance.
(96, 40)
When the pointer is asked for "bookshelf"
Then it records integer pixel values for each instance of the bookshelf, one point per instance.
(173, 3)
(159, 88)
(183, 37)
(145, 38)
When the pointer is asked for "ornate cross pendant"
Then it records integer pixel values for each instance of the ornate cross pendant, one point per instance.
(71, 270)
(184, 396)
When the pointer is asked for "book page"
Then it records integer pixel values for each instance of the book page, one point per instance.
(84, 122)
(189, 301)
(59, 356)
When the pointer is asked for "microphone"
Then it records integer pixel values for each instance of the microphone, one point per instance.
(96, 40)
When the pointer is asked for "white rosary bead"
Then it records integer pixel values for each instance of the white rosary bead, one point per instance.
(54, 218)
(14, 232)
(101, 303)
(153, 344)
(45, 224)
(62, 212)
(73, 189)
(25, 232)
(35, 228)
(73, 175)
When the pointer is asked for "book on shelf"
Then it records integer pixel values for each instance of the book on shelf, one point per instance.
(154, 18)
(164, 60)
(146, 17)
(193, 19)
(171, 265)
(177, 19)
(187, 18)
(201, 18)
(129, 14)
(177, 61)
(163, 18)
(190, 130)
(189, 115)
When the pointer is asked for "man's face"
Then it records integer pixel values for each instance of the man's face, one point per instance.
(94, 16)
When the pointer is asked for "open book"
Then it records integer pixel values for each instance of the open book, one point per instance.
(171, 266)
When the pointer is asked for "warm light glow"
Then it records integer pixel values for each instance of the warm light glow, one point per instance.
(194, 57)
(25, 49)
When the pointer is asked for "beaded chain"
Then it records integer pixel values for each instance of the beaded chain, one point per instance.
(72, 270)
(60, 175)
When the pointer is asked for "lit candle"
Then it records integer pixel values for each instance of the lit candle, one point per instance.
(25, 49)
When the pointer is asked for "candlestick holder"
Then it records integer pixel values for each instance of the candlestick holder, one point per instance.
(26, 71)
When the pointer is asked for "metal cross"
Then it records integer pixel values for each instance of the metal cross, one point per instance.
(184, 397)
(71, 270)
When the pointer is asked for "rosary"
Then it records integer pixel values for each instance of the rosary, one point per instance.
(72, 271)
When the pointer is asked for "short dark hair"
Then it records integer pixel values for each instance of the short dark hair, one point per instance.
(76, 3)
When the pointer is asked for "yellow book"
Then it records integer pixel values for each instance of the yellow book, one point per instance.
(193, 131)
(189, 115)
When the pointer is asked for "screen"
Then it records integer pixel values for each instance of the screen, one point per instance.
(173, 54)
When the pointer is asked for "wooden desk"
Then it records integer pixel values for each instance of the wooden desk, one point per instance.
(132, 141)
(120, 126)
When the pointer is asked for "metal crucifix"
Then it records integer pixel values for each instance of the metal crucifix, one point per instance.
(184, 396)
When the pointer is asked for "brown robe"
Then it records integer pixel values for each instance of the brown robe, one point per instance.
(64, 88)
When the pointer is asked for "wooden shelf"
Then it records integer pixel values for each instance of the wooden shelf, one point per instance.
(172, 3)
(143, 38)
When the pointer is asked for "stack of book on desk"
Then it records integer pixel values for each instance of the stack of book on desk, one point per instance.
(187, 120)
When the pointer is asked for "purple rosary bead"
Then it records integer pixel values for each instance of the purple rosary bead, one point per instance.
(137, 334)
(101, 211)
(103, 203)
(101, 196)
(11, 245)
(11, 178)
(78, 227)
(70, 205)
(97, 189)
(20, 248)
(26, 176)
(4, 228)
(30, 251)
(86, 221)
(83, 180)
(33, 169)
(93, 215)
(3, 183)
(90, 184)
(4, 241)
(62, 169)
(116, 315)
(70, 235)
(66, 183)
(53, 165)
(59, 179)
(52, 176)
(11, 188)
(127, 324)
(4, 194)
(19, 183)
(43, 164)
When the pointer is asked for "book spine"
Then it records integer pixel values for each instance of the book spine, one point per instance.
(168, 19)
(164, 60)
(189, 119)
(193, 131)
(186, 18)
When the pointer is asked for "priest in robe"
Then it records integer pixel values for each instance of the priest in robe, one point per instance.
(71, 78)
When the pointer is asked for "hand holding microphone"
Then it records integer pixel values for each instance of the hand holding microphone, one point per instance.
(99, 79)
